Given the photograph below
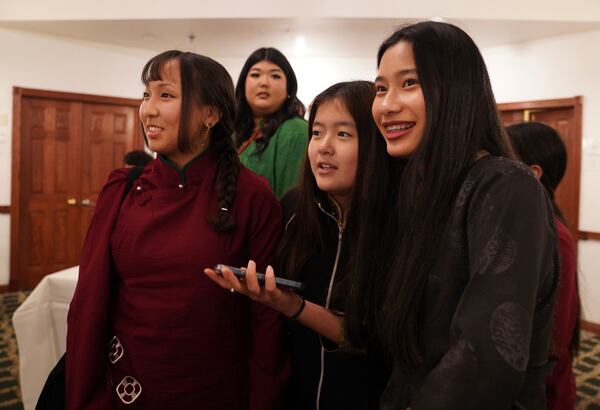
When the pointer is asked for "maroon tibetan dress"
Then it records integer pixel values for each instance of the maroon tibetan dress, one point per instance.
(561, 391)
(147, 329)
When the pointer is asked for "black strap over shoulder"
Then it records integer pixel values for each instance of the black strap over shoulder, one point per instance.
(134, 173)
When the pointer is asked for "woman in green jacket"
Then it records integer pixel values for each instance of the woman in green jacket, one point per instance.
(270, 133)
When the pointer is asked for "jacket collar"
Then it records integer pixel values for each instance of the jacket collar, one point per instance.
(194, 169)
(333, 209)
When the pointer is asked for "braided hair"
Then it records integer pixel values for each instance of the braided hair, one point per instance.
(205, 82)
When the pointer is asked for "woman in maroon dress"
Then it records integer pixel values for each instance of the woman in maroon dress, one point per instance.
(146, 329)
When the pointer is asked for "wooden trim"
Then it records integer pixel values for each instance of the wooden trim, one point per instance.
(542, 104)
(585, 235)
(14, 286)
(590, 327)
(59, 95)
(15, 233)
(4, 288)
(575, 103)
(578, 114)
(4, 209)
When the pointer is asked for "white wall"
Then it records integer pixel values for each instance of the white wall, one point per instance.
(563, 67)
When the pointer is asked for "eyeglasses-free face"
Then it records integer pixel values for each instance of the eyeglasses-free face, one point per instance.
(399, 105)
(333, 151)
(265, 88)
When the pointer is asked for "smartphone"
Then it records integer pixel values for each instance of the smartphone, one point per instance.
(240, 273)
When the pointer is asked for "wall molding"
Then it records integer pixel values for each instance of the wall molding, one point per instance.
(585, 235)
(590, 327)
(4, 209)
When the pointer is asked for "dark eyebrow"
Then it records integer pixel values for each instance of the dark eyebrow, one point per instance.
(274, 70)
(338, 124)
(345, 124)
(399, 73)
(163, 84)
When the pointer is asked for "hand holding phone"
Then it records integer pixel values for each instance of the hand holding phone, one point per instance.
(240, 273)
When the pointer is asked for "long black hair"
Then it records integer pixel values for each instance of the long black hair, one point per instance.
(205, 82)
(291, 107)
(461, 122)
(536, 143)
(306, 238)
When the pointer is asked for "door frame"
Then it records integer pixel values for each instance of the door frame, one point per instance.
(576, 103)
(15, 207)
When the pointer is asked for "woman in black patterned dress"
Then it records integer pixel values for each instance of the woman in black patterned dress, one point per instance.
(464, 301)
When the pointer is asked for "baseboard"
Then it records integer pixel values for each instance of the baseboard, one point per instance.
(590, 327)
(4, 288)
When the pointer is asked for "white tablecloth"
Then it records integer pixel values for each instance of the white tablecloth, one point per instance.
(41, 329)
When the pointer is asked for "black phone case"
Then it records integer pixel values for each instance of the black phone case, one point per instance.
(281, 282)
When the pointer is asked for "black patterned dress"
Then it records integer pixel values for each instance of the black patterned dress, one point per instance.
(487, 318)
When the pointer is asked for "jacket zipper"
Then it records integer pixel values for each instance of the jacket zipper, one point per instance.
(340, 226)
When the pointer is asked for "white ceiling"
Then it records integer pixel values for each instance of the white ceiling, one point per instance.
(236, 38)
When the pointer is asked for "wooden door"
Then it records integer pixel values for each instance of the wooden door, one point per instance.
(51, 136)
(567, 192)
(107, 137)
(565, 117)
(64, 147)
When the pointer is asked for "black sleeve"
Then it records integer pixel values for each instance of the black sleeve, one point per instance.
(511, 248)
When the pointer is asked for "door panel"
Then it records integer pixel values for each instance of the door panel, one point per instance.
(108, 132)
(67, 148)
(50, 227)
(107, 137)
(567, 193)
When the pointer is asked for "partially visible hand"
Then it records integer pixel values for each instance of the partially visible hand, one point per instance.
(283, 301)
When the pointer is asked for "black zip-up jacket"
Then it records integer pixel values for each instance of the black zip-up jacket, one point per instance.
(325, 377)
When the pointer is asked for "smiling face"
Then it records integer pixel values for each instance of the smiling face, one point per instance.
(399, 106)
(160, 113)
(265, 88)
(333, 151)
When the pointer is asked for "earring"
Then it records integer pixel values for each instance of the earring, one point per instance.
(208, 125)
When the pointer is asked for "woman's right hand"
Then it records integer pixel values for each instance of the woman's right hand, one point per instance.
(284, 301)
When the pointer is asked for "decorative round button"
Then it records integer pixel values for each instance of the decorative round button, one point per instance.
(129, 389)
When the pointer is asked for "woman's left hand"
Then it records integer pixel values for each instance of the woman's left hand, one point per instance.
(283, 301)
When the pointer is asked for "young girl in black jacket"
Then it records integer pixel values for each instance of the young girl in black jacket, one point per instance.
(346, 177)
